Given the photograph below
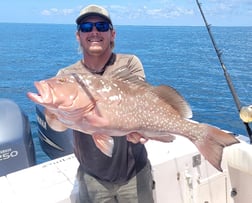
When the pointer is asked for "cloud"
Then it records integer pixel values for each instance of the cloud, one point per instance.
(227, 7)
(169, 13)
(56, 11)
(144, 12)
(163, 11)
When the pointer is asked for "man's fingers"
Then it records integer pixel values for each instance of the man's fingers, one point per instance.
(135, 137)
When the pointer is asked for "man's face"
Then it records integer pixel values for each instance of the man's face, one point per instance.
(95, 42)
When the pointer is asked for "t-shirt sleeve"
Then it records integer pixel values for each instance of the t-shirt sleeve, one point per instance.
(136, 67)
(132, 62)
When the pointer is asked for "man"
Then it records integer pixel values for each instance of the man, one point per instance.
(126, 176)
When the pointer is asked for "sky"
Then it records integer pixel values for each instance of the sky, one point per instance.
(131, 12)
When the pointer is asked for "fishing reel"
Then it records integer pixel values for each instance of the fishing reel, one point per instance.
(246, 114)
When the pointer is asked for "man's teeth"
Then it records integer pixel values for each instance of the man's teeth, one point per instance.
(95, 40)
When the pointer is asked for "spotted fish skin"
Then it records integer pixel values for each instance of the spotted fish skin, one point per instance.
(119, 104)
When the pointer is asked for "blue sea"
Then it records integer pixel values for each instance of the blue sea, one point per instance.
(182, 57)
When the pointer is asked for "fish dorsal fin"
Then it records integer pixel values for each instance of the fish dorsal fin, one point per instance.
(171, 96)
(168, 94)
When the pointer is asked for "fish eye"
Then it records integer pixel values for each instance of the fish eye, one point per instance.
(62, 79)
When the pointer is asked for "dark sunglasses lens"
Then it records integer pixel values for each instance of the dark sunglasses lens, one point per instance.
(102, 26)
(86, 27)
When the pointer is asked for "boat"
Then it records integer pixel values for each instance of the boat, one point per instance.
(180, 173)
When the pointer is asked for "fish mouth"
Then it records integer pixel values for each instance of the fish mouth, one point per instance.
(39, 88)
(43, 92)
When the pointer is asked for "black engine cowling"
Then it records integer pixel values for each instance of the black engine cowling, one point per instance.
(54, 144)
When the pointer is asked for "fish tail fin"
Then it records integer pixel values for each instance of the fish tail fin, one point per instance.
(211, 147)
(104, 143)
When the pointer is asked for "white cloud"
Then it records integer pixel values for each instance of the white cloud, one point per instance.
(163, 10)
(56, 11)
(143, 12)
(170, 13)
(67, 11)
(45, 13)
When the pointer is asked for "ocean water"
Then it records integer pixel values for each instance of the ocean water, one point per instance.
(182, 57)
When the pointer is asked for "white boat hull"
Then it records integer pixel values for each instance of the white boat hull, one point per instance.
(180, 173)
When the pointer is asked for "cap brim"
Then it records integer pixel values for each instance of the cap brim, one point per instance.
(82, 17)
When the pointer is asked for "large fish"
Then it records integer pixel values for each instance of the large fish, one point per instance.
(116, 105)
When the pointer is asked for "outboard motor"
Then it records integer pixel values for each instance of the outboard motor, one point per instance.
(16, 144)
(55, 144)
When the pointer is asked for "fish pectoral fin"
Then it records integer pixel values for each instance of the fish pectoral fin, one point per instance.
(105, 143)
(164, 138)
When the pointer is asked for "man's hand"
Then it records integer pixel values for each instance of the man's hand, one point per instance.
(135, 137)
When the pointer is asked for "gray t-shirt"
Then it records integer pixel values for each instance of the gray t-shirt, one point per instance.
(127, 158)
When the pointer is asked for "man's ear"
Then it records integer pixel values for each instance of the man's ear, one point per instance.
(77, 34)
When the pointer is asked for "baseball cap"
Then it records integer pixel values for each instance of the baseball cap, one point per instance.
(93, 10)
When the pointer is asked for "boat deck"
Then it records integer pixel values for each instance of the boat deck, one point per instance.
(181, 174)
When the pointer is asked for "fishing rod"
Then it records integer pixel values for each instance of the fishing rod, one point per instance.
(227, 76)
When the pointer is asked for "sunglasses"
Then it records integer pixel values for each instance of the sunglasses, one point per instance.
(100, 26)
